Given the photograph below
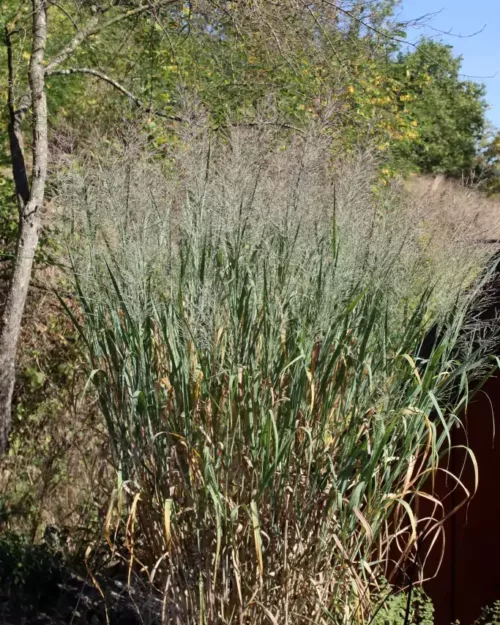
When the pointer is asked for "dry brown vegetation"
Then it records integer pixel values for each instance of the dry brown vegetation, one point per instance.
(456, 205)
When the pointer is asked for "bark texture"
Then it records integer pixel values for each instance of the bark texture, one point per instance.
(30, 206)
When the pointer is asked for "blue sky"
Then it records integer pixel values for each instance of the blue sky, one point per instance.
(463, 17)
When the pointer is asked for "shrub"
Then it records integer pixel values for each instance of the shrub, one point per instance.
(490, 615)
(414, 609)
(29, 574)
(252, 310)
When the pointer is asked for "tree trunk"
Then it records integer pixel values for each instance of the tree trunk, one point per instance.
(29, 222)
(15, 133)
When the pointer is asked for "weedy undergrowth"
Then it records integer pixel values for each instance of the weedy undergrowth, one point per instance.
(252, 310)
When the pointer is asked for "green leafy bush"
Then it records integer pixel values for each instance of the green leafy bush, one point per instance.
(399, 609)
(490, 615)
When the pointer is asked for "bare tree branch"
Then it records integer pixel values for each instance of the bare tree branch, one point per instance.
(140, 104)
(388, 37)
(93, 26)
(102, 76)
(65, 13)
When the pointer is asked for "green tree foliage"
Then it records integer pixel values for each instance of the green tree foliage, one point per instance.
(488, 161)
(237, 57)
(340, 62)
(448, 112)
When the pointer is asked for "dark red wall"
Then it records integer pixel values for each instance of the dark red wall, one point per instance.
(469, 578)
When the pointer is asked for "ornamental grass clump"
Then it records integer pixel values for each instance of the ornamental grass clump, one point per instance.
(252, 309)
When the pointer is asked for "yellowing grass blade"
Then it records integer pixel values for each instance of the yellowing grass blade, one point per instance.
(413, 366)
(364, 523)
(109, 517)
(167, 518)
(129, 534)
(311, 383)
(257, 538)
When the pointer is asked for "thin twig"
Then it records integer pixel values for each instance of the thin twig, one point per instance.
(114, 83)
